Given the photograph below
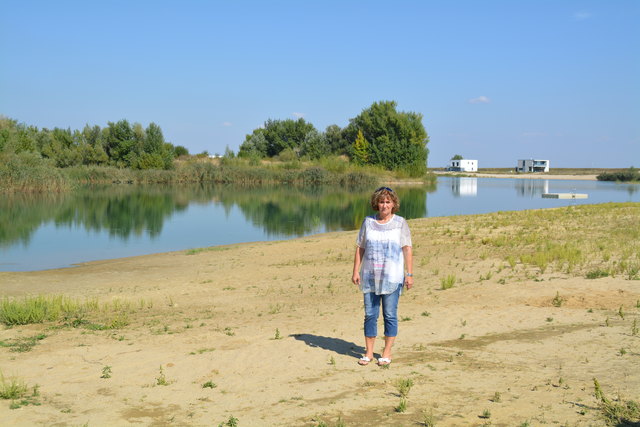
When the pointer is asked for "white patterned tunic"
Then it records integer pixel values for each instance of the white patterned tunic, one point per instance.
(382, 268)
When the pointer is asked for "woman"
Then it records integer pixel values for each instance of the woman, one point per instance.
(383, 252)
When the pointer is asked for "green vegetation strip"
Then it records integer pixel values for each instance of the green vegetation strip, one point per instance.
(70, 311)
(588, 240)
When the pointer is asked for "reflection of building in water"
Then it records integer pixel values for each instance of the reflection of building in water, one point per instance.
(531, 187)
(464, 187)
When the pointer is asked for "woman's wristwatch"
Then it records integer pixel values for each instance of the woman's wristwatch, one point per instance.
(409, 275)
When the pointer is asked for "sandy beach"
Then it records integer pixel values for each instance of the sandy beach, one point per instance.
(269, 333)
(521, 175)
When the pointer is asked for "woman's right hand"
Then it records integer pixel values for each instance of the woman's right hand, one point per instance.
(355, 279)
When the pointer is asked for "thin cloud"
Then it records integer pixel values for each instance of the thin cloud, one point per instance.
(582, 15)
(298, 115)
(479, 100)
(227, 124)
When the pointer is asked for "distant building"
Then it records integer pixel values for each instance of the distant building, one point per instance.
(463, 165)
(532, 165)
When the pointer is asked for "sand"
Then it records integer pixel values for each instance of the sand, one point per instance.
(521, 175)
(273, 330)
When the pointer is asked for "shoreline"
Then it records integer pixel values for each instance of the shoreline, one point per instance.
(270, 332)
(517, 176)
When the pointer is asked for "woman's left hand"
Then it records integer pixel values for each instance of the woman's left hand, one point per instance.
(408, 282)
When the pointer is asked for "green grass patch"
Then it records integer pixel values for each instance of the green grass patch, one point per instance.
(577, 240)
(597, 273)
(21, 345)
(16, 390)
(71, 312)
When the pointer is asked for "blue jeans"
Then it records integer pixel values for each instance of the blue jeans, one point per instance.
(389, 313)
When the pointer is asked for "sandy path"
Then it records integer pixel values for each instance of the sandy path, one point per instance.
(214, 317)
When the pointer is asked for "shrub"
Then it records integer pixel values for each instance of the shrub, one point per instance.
(314, 175)
(631, 174)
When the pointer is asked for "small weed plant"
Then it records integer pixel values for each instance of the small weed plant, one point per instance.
(13, 388)
(447, 282)
(633, 272)
(106, 372)
(404, 386)
(161, 379)
(402, 406)
(231, 422)
(616, 412)
(428, 420)
(557, 301)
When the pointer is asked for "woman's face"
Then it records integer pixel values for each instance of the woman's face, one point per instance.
(385, 206)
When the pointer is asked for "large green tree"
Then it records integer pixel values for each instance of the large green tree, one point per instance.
(314, 145)
(152, 152)
(278, 136)
(397, 139)
(335, 139)
(119, 140)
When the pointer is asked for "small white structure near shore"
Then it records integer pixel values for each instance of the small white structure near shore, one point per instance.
(565, 196)
(463, 165)
(532, 165)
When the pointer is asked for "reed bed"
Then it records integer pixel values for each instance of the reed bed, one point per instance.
(26, 172)
(29, 173)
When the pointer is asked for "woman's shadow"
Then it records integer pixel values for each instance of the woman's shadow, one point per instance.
(333, 344)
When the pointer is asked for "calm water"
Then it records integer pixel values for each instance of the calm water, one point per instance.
(51, 231)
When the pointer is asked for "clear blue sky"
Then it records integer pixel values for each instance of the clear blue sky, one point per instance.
(495, 80)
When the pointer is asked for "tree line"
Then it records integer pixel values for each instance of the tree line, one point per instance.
(119, 144)
(379, 135)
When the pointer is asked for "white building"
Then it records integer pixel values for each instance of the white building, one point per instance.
(463, 165)
(532, 165)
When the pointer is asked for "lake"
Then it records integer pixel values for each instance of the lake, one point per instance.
(43, 231)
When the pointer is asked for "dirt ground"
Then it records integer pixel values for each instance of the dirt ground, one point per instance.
(270, 333)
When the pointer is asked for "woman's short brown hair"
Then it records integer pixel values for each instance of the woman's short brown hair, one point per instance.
(380, 194)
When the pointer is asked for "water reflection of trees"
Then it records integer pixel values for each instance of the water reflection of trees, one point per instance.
(135, 210)
(300, 210)
(123, 211)
(22, 213)
(120, 210)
